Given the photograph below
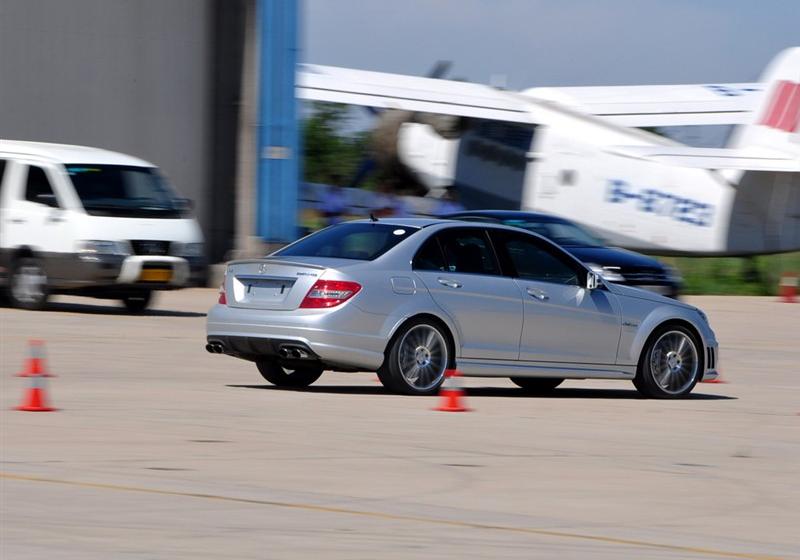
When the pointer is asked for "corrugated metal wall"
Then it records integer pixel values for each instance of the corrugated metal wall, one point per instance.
(137, 76)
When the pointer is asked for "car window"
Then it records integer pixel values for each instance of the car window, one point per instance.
(429, 256)
(468, 251)
(38, 188)
(532, 260)
(357, 241)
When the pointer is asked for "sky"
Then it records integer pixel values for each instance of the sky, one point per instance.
(554, 42)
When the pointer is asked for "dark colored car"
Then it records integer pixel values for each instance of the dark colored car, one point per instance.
(614, 264)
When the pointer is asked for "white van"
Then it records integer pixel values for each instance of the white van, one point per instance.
(91, 222)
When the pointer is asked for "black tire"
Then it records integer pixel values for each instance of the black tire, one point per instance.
(430, 377)
(27, 284)
(537, 384)
(673, 380)
(284, 377)
(137, 302)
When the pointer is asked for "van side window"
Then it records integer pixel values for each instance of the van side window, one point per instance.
(38, 188)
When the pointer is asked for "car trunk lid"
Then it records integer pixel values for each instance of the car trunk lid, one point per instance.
(274, 284)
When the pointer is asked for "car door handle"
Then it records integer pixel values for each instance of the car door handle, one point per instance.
(538, 294)
(17, 220)
(448, 283)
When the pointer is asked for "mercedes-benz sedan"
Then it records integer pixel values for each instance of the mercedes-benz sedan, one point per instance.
(411, 298)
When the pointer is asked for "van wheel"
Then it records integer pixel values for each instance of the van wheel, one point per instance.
(28, 284)
(137, 302)
(302, 376)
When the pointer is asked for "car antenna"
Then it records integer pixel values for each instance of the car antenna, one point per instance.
(372, 217)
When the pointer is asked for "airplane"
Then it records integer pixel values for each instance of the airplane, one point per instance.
(581, 153)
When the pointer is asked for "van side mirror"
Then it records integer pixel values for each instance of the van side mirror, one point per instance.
(592, 280)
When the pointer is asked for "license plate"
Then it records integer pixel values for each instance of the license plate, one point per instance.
(156, 275)
(267, 289)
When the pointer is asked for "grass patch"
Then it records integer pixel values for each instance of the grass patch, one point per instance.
(753, 276)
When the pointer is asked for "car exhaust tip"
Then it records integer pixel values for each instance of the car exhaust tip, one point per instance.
(214, 348)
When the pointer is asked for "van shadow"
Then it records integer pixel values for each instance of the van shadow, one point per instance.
(94, 309)
(480, 392)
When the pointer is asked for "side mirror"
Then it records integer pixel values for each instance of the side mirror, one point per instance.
(592, 280)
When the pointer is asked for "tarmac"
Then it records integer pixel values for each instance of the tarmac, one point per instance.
(161, 450)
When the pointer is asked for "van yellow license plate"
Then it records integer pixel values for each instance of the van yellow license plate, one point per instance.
(155, 275)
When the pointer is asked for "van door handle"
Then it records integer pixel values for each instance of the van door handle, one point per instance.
(448, 283)
(538, 294)
(17, 220)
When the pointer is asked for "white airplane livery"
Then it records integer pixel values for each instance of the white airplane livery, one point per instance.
(577, 152)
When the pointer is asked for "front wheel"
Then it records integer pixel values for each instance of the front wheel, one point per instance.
(28, 284)
(416, 359)
(538, 384)
(670, 365)
(302, 376)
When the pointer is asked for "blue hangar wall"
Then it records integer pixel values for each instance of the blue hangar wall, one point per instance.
(278, 159)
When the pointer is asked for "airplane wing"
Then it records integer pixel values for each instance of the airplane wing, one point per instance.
(408, 93)
(665, 105)
(636, 106)
(713, 158)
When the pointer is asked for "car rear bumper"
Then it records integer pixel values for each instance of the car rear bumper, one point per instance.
(344, 337)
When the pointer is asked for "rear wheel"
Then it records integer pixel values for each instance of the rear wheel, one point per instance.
(137, 302)
(302, 376)
(538, 384)
(670, 366)
(416, 359)
(28, 284)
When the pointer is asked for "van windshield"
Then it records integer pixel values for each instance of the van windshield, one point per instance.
(125, 191)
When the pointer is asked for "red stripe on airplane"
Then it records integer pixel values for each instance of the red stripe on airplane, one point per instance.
(791, 112)
(783, 111)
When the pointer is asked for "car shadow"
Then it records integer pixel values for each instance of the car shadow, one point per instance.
(479, 392)
(95, 309)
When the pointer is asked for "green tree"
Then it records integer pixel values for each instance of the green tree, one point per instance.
(328, 151)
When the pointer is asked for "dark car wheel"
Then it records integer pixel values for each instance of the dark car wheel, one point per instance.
(28, 284)
(538, 384)
(416, 359)
(670, 364)
(137, 302)
(285, 377)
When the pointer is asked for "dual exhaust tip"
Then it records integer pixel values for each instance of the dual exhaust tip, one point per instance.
(286, 351)
(214, 348)
(295, 352)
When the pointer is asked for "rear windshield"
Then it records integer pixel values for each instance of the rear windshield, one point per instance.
(359, 241)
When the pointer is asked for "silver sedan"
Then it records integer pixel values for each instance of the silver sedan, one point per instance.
(411, 298)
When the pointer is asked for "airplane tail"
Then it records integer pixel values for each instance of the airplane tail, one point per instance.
(776, 122)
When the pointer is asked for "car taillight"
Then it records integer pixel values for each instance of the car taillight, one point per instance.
(329, 293)
(222, 297)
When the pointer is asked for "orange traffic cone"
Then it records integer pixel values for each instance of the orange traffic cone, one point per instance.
(35, 363)
(451, 393)
(35, 398)
(788, 287)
